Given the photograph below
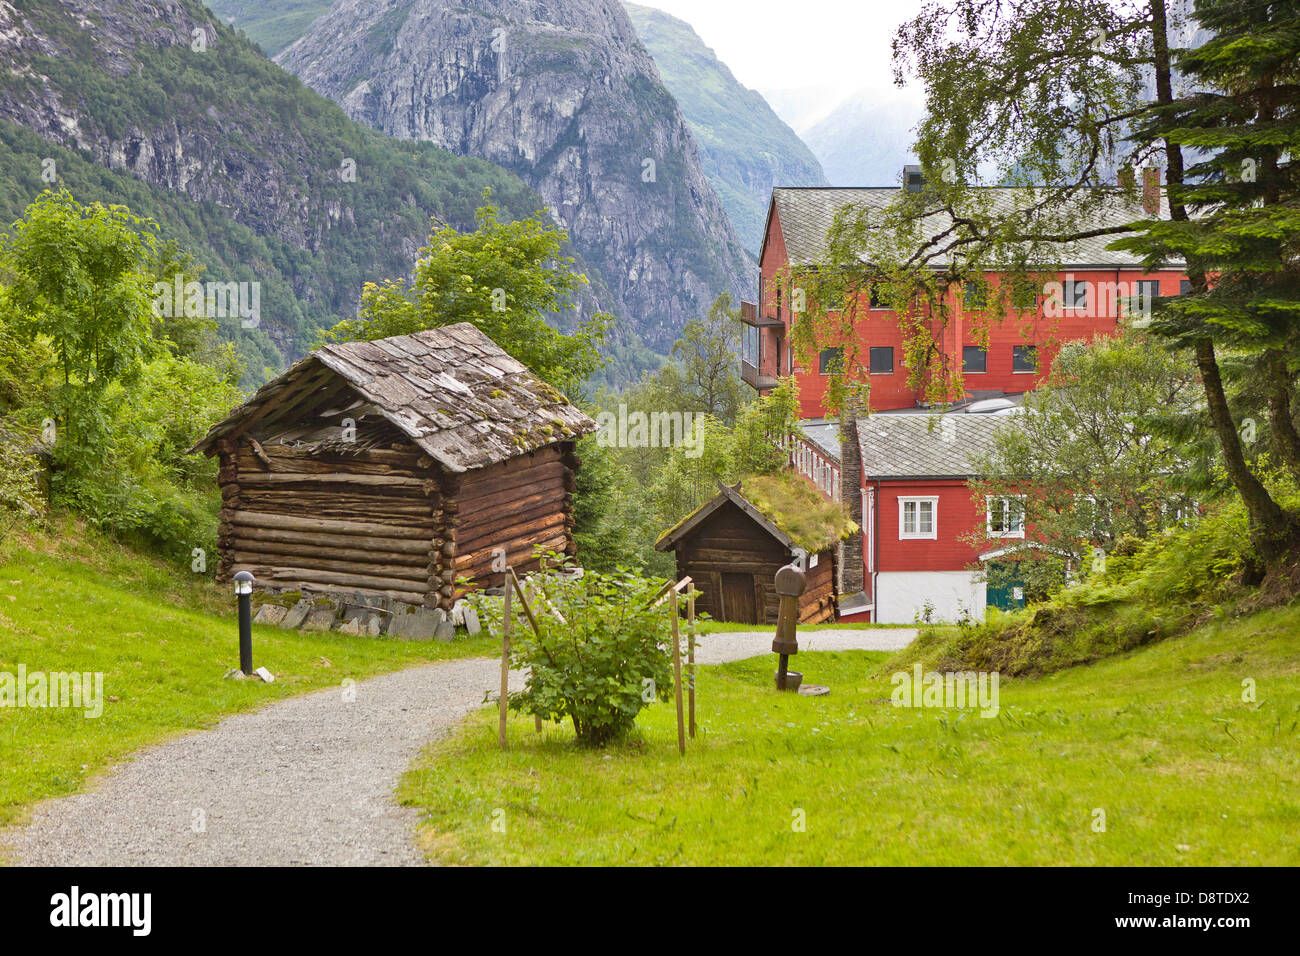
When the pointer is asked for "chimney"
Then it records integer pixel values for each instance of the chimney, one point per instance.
(851, 565)
(913, 181)
(1151, 190)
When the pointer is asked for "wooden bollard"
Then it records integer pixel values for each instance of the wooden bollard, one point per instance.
(690, 654)
(505, 658)
(790, 583)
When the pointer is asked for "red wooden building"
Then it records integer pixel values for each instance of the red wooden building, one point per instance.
(1014, 356)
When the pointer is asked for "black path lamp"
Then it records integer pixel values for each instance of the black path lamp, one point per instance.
(243, 592)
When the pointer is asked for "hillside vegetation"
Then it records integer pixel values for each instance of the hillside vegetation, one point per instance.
(1143, 592)
(238, 161)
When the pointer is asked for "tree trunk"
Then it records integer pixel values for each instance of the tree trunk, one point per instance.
(1285, 437)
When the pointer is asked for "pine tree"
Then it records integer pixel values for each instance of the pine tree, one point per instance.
(1236, 222)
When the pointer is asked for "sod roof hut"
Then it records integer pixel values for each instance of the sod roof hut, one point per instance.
(396, 468)
(733, 545)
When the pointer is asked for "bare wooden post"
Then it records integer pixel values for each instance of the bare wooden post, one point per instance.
(677, 670)
(690, 653)
(512, 579)
(507, 616)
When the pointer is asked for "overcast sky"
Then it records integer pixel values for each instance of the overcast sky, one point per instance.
(807, 44)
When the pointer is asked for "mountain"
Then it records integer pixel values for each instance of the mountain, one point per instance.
(745, 148)
(271, 24)
(156, 104)
(866, 139)
(562, 93)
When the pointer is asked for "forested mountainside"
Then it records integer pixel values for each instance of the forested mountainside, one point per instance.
(745, 147)
(159, 105)
(564, 95)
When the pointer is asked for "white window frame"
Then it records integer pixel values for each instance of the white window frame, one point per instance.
(918, 535)
(988, 515)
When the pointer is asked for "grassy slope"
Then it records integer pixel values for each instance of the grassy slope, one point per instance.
(271, 25)
(163, 639)
(1159, 738)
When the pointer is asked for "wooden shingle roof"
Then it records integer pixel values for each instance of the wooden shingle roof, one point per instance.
(452, 390)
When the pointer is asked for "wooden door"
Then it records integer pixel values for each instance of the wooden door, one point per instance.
(738, 603)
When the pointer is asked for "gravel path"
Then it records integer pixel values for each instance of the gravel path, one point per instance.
(306, 781)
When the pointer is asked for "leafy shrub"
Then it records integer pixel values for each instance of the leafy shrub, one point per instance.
(601, 667)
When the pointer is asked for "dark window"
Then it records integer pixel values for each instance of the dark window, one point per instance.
(974, 359)
(1148, 290)
(1075, 294)
(973, 296)
(778, 300)
(1024, 358)
(875, 300)
(882, 359)
(831, 360)
(1184, 286)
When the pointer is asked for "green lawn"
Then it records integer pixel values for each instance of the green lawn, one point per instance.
(1159, 739)
(163, 639)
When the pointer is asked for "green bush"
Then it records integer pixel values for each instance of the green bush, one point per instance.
(608, 661)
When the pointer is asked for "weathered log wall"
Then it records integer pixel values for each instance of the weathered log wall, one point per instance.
(387, 521)
(519, 505)
(367, 522)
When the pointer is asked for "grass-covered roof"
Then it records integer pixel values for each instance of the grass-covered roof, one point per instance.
(789, 505)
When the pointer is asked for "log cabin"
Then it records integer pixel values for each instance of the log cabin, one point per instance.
(733, 545)
(402, 468)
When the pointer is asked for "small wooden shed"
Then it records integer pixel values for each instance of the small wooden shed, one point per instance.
(733, 545)
(396, 468)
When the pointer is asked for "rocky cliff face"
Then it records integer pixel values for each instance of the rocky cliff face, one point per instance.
(562, 93)
(745, 147)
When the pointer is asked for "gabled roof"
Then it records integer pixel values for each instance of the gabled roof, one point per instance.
(787, 506)
(452, 390)
(806, 214)
(926, 446)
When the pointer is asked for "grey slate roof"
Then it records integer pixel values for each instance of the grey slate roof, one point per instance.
(454, 391)
(926, 446)
(806, 214)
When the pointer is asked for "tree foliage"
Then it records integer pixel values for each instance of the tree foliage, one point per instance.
(503, 277)
(1083, 464)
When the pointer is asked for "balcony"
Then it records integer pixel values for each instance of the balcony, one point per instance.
(753, 377)
(749, 315)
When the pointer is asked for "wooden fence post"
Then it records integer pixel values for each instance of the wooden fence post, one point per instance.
(505, 660)
(690, 653)
(677, 670)
(511, 578)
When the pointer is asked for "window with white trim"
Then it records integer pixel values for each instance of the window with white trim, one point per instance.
(918, 518)
(1006, 517)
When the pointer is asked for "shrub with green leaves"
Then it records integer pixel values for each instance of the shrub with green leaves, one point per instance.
(605, 663)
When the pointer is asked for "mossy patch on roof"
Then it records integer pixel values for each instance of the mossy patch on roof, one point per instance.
(799, 510)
